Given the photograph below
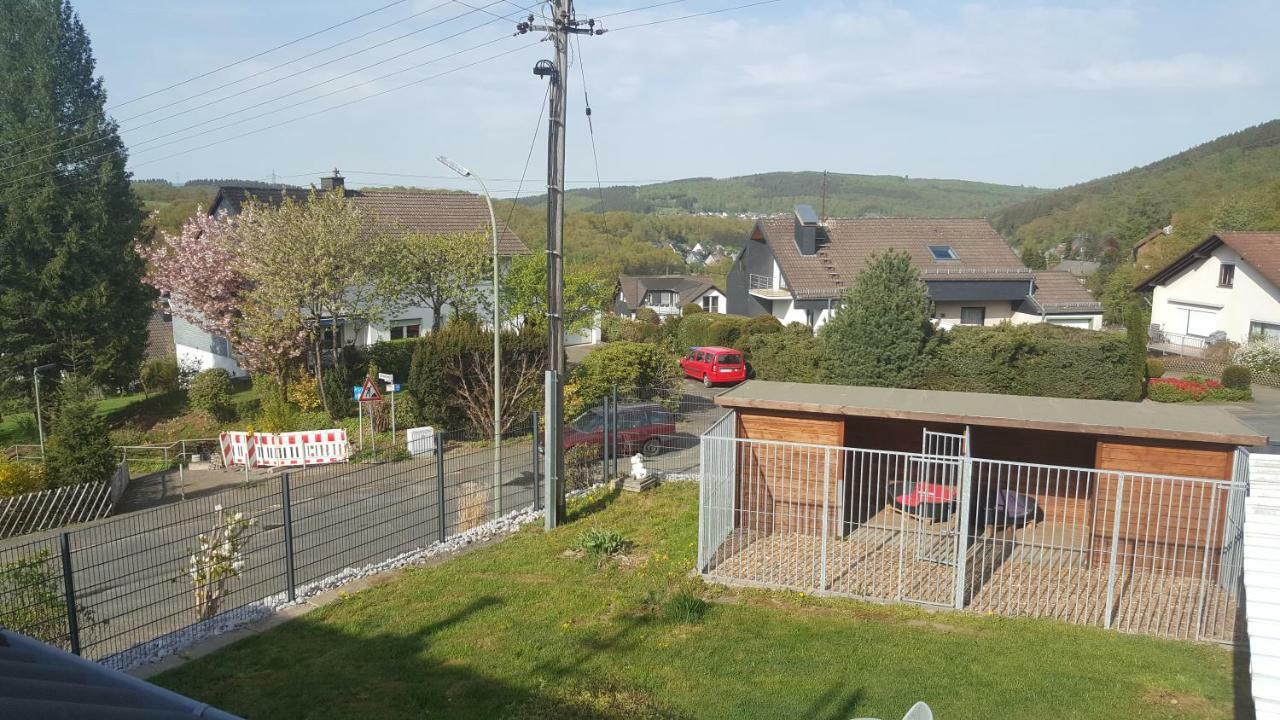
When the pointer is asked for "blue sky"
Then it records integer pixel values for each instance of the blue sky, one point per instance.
(1022, 93)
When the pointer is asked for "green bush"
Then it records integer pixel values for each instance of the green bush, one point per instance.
(245, 409)
(1260, 356)
(785, 356)
(1227, 394)
(19, 478)
(33, 600)
(159, 376)
(1155, 368)
(1169, 394)
(210, 393)
(691, 309)
(639, 370)
(648, 315)
(1237, 377)
(764, 325)
(601, 544)
(394, 356)
(79, 446)
(1041, 359)
(275, 413)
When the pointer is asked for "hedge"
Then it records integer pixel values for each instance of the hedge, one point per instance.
(1039, 359)
(785, 356)
(394, 356)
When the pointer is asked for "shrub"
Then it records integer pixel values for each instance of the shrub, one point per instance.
(764, 325)
(581, 466)
(601, 544)
(1259, 356)
(1155, 368)
(1220, 352)
(210, 393)
(785, 356)
(639, 370)
(1193, 388)
(1169, 393)
(1237, 377)
(648, 315)
(394, 356)
(19, 478)
(33, 600)
(1041, 360)
(276, 414)
(303, 391)
(79, 447)
(159, 376)
(691, 309)
(635, 331)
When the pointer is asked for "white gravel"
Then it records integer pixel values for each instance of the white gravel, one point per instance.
(175, 642)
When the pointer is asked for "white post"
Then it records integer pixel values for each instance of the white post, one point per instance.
(826, 515)
(1115, 549)
(962, 537)
(360, 422)
(39, 421)
(393, 416)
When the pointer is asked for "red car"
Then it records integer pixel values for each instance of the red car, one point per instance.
(641, 426)
(714, 365)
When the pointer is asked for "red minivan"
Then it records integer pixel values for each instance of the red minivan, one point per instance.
(714, 365)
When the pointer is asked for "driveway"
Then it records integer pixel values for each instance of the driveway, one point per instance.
(1263, 414)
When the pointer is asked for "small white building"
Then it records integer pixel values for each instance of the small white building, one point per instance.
(1227, 284)
(667, 294)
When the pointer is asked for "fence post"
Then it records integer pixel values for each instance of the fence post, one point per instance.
(604, 443)
(826, 515)
(613, 447)
(286, 508)
(962, 536)
(1115, 549)
(1214, 490)
(440, 503)
(537, 489)
(69, 591)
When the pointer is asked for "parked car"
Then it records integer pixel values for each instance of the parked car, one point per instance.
(714, 365)
(641, 427)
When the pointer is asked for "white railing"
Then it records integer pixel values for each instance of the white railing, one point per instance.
(59, 507)
(759, 282)
(1135, 552)
(22, 452)
(1171, 342)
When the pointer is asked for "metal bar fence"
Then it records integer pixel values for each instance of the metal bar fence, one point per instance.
(106, 588)
(1136, 552)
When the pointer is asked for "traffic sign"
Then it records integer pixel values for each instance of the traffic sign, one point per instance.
(355, 392)
(369, 391)
(386, 377)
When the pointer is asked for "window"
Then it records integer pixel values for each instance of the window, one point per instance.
(660, 298)
(943, 252)
(973, 316)
(219, 346)
(1226, 275)
(401, 329)
(1264, 331)
(589, 421)
(729, 360)
(711, 303)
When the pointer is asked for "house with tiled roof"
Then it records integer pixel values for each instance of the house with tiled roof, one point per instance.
(798, 268)
(667, 294)
(1059, 298)
(1227, 286)
(415, 211)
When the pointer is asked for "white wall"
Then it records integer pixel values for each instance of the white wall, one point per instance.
(1089, 321)
(947, 314)
(1251, 298)
(196, 358)
(1262, 581)
(723, 300)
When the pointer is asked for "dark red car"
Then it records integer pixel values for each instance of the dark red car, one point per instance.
(641, 426)
(714, 365)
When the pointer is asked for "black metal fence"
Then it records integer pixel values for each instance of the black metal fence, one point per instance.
(124, 584)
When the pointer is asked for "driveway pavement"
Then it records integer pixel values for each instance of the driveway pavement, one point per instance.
(1263, 414)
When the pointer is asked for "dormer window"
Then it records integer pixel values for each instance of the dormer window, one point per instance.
(943, 252)
(1226, 275)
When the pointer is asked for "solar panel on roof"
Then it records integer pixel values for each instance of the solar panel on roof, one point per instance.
(806, 215)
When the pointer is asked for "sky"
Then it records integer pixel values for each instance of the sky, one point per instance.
(1044, 94)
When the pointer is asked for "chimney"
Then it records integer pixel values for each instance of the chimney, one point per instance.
(330, 183)
(806, 229)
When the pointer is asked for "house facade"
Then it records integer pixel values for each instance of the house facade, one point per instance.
(798, 268)
(667, 295)
(1229, 283)
(427, 212)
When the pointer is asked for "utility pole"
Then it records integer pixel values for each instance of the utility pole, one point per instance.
(561, 24)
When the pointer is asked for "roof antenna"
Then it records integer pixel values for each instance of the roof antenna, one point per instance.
(824, 197)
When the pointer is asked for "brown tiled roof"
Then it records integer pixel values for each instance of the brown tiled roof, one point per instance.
(635, 287)
(159, 335)
(845, 245)
(1260, 249)
(412, 211)
(1060, 291)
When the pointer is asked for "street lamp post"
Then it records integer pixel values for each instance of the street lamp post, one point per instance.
(497, 338)
(35, 378)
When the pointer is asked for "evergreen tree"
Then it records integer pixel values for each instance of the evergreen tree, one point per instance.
(79, 448)
(882, 332)
(70, 283)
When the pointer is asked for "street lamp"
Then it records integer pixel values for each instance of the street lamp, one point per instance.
(35, 378)
(497, 341)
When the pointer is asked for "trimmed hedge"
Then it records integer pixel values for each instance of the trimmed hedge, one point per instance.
(787, 356)
(1155, 368)
(1041, 359)
(394, 356)
(1237, 377)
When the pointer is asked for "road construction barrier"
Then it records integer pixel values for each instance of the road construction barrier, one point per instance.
(315, 447)
(420, 440)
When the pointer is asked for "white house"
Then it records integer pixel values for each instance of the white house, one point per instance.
(799, 268)
(429, 212)
(1228, 284)
(667, 294)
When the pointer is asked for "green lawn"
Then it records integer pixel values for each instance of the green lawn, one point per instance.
(528, 629)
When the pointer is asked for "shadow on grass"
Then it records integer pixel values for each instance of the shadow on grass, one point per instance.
(596, 503)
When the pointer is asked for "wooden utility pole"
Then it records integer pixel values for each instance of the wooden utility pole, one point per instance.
(561, 25)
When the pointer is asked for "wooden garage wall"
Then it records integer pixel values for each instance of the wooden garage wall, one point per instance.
(780, 486)
(1176, 525)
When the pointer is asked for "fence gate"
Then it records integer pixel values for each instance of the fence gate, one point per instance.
(930, 504)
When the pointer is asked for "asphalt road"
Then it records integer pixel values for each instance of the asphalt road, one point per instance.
(129, 571)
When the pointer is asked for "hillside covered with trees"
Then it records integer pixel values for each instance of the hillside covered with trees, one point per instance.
(847, 195)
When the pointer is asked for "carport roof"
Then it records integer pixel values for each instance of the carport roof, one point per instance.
(1095, 417)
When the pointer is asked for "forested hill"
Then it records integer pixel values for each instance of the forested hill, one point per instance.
(1226, 184)
(847, 195)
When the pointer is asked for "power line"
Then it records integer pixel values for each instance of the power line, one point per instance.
(694, 15)
(216, 70)
(537, 126)
(290, 120)
(591, 129)
(639, 9)
(262, 85)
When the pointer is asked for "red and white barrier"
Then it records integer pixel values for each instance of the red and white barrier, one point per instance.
(317, 447)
